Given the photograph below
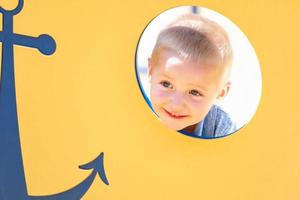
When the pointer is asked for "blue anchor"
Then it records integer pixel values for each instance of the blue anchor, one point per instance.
(12, 178)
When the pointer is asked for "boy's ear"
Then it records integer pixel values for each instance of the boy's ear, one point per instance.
(224, 91)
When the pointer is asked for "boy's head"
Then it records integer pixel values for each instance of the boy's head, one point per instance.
(189, 70)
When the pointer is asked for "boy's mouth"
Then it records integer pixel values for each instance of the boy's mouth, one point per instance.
(175, 116)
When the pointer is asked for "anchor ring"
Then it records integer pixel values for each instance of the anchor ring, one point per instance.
(14, 11)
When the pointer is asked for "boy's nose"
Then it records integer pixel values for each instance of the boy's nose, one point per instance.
(177, 100)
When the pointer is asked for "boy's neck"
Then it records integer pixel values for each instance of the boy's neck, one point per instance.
(190, 129)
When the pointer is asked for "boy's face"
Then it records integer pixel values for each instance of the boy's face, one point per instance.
(182, 92)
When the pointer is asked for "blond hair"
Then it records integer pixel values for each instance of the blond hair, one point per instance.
(195, 38)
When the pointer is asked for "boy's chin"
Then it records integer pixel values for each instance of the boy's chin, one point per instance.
(174, 126)
(189, 128)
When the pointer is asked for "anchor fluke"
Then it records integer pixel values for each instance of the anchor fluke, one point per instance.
(78, 191)
(97, 165)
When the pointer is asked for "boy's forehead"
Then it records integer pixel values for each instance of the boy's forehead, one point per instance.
(169, 59)
(172, 61)
(177, 57)
(172, 65)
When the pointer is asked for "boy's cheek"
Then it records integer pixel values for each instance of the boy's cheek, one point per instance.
(200, 108)
(159, 95)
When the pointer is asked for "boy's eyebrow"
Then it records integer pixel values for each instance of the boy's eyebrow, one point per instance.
(204, 89)
(191, 84)
(167, 76)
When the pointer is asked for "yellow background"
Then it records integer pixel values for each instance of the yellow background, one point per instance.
(84, 100)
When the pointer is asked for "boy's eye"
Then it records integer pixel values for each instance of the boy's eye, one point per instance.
(195, 93)
(166, 84)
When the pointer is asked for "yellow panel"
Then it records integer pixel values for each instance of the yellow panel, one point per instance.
(84, 100)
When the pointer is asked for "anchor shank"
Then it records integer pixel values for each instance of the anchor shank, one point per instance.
(12, 176)
(11, 164)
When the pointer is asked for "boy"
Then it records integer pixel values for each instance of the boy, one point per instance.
(189, 72)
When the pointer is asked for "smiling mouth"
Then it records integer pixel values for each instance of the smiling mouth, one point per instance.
(174, 115)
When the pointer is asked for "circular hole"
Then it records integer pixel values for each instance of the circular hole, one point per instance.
(198, 72)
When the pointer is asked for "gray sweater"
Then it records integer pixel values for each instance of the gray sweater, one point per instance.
(216, 123)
